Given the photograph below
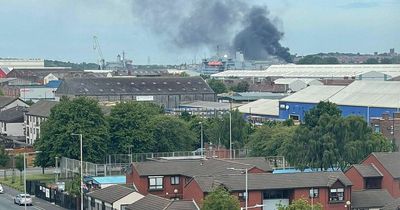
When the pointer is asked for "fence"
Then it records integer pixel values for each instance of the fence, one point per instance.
(55, 196)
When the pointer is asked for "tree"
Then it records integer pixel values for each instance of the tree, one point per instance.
(267, 140)
(240, 130)
(4, 158)
(74, 186)
(220, 199)
(130, 124)
(371, 61)
(80, 116)
(300, 204)
(19, 164)
(169, 133)
(184, 74)
(386, 61)
(1, 93)
(313, 59)
(242, 86)
(217, 86)
(327, 140)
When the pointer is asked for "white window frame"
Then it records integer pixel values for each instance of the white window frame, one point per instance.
(175, 180)
(156, 182)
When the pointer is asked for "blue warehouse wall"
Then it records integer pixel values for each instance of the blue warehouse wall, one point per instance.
(299, 109)
(293, 108)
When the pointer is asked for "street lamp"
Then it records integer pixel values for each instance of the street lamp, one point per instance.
(25, 153)
(80, 139)
(247, 190)
(230, 130)
(201, 142)
(348, 203)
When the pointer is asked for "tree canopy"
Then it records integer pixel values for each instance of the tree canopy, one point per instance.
(300, 204)
(242, 86)
(217, 85)
(79, 116)
(313, 59)
(4, 157)
(327, 140)
(220, 199)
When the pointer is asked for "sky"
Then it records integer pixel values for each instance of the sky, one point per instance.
(64, 29)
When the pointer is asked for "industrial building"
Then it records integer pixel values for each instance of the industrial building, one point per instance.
(259, 111)
(166, 91)
(320, 72)
(368, 99)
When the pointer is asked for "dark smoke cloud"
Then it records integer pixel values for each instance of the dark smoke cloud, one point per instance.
(191, 24)
(260, 37)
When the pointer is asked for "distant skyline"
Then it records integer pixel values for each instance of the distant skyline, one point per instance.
(63, 29)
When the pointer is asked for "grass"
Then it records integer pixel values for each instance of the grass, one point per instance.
(47, 178)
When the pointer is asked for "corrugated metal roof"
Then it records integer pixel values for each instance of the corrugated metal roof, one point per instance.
(287, 81)
(313, 71)
(261, 107)
(369, 93)
(314, 94)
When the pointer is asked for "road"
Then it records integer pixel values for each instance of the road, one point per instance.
(7, 202)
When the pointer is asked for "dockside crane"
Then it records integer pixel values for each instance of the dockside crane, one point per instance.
(96, 47)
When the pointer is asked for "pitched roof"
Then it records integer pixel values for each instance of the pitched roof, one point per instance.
(314, 94)
(390, 160)
(195, 167)
(13, 115)
(41, 108)
(261, 107)
(111, 193)
(262, 181)
(135, 85)
(182, 205)
(5, 100)
(370, 199)
(149, 202)
(367, 170)
(394, 205)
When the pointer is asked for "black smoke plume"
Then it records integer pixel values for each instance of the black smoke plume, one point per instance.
(191, 24)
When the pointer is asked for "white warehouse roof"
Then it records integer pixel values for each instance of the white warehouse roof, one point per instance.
(261, 107)
(314, 71)
(369, 93)
(313, 94)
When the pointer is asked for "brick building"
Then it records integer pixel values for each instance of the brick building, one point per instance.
(388, 125)
(380, 170)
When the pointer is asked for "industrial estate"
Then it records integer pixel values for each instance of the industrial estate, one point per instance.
(250, 127)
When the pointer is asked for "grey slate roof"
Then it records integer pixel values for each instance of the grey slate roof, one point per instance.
(390, 160)
(132, 85)
(370, 199)
(150, 201)
(259, 162)
(193, 167)
(262, 181)
(394, 205)
(5, 100)
(367, 170)
(41, 108)
(182, 205)
(111, 194)
(13, 115)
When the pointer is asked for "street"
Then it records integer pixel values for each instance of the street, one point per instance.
(7, 202)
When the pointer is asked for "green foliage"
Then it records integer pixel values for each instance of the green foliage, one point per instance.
(171, 134)
(217, 85)
(1, 92)
(205, 76)
(73, 187)
(220, 199)
(300, 204)
(184, 74)
(240, 130)
(74, 66)
(327, 140)
(267, 140)
(4, 157)
(312, 59)
(242, 86)
(19, 162)
(130, 124)
(79, 116)
(371, 61)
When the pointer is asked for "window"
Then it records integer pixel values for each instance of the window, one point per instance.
(174, 180)
(314, 193)
(294, 117)
(377, 129)
(336, 194)
(242, 196)
(155, 182)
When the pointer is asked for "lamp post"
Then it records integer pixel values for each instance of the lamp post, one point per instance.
(130, 152)
(230, 130)
(80, 139)
(246, 187)
(201, 140)
(25, 153)
(348, 203)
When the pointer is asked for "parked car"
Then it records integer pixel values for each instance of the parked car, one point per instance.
(22, 199)
(1, 189)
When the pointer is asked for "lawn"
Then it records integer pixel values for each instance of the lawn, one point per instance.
(47, 178)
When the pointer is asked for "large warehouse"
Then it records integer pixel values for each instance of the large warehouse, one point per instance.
(367, 99)
(167, 91)
(320, 72)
